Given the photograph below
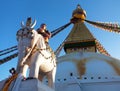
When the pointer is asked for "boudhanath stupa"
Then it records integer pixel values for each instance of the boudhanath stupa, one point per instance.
(84, 67)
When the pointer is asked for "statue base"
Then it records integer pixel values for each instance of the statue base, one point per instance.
(29, 85)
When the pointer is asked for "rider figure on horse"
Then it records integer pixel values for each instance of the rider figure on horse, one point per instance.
(47, 35)
(44, 32)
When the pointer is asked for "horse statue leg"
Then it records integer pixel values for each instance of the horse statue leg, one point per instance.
(50, 75)
(21, 69)
(51, 78)
(22, 47)
(36, 61)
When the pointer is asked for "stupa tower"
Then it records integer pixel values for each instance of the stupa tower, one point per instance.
(80, 38)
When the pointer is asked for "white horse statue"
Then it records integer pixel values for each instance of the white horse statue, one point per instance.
(32, 54)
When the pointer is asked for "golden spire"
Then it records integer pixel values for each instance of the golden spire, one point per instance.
(80, 37)
(78, 15)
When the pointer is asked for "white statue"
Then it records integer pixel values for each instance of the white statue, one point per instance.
(34, 55)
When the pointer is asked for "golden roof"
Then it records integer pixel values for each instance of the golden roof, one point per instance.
(79, 33)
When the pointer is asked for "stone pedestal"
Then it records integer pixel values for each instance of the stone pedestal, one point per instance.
(33, 85)
(29, 85)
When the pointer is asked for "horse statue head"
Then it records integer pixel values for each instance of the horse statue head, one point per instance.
(28, 23)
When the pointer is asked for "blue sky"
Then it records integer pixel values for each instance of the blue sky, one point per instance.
(56, 13)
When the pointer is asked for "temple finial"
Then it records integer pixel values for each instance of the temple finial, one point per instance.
(78, 6)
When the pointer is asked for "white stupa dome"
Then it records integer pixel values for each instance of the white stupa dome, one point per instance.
(87, 64)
